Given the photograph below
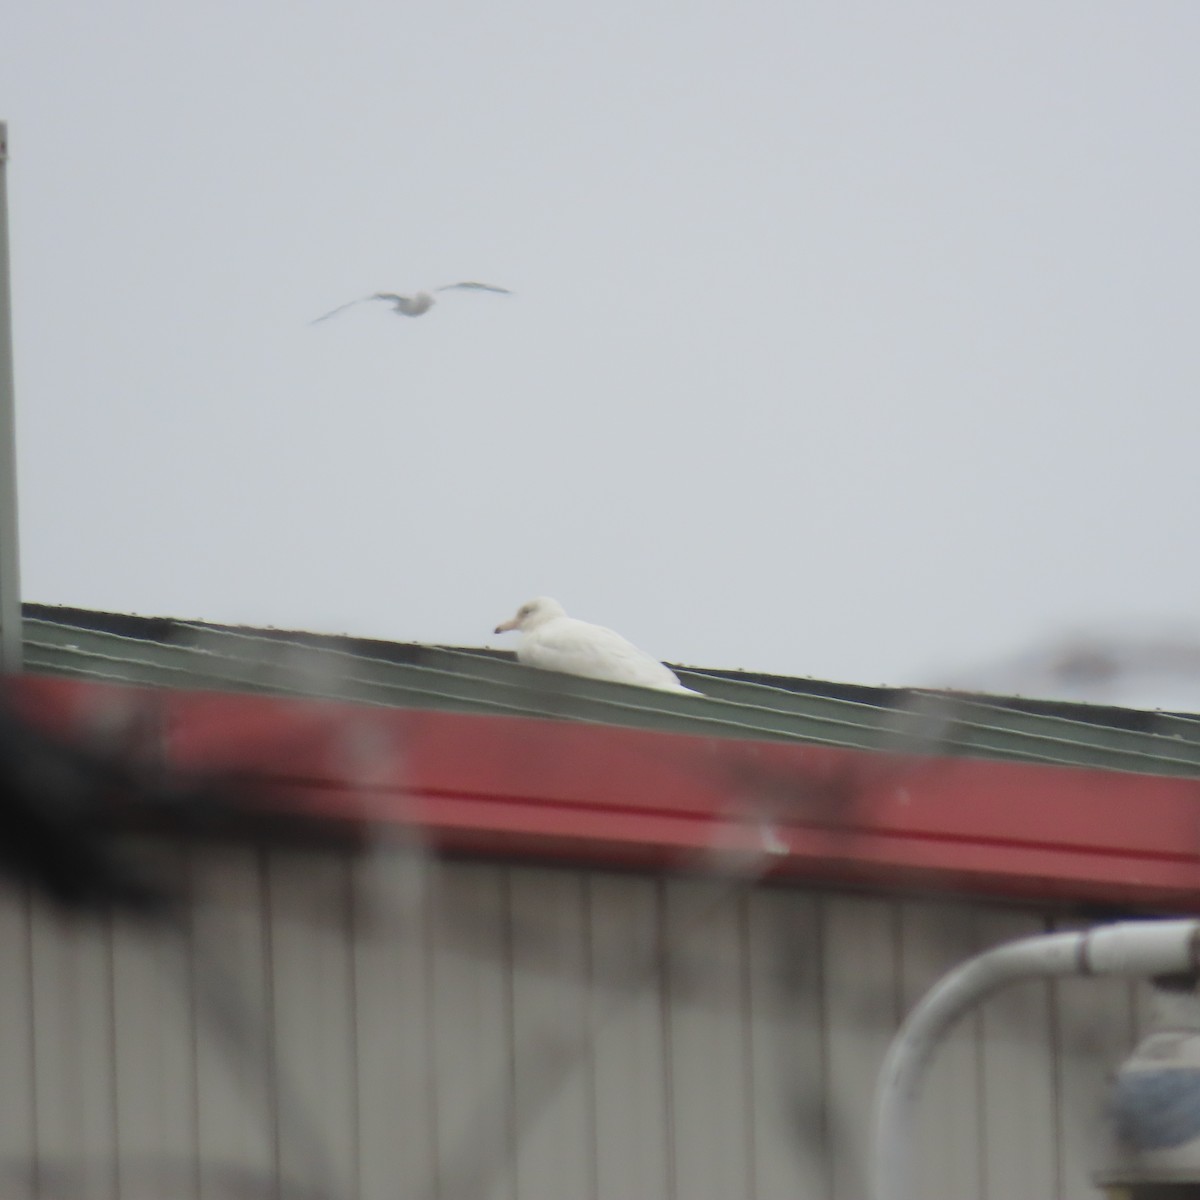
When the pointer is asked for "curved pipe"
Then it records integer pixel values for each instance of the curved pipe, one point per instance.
(1132, 949)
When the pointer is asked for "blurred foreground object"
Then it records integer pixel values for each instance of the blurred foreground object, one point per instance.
(71, 789)
(59, 803)
(1131, 949)
(1153, 1128)
(1141, 667)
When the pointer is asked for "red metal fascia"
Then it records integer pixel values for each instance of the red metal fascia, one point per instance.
(625, 797)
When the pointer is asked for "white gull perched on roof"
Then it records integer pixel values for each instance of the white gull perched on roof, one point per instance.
(555, 642)
(417, 303)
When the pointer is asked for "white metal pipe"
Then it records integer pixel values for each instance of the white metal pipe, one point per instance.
(10, 579)
(1132, 949)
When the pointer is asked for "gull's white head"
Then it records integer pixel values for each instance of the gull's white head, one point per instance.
(533, 613)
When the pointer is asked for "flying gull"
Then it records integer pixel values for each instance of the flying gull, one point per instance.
(417, 303)
(555, 642)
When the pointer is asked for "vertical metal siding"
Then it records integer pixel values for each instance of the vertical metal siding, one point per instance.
(469, 1030)
(707, 1044)
(934, 938)
(153, 1063)
(74, 1099)
(552, 1082)
(229, 927)
(17, 1098)
(629, 1058)
(312, 988)
(789, 1078)
(860, 940)
(1018, 1092)
(394, 1014)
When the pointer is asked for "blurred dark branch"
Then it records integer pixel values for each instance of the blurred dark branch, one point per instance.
(61, 806)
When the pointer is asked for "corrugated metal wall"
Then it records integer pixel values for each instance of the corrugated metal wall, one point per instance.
(470, 1030)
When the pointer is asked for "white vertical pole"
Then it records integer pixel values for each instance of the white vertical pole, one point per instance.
(10, 571)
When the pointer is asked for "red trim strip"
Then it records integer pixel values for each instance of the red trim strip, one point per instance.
(523, 787)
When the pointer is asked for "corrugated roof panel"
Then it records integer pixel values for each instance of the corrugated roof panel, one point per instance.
(188, 655)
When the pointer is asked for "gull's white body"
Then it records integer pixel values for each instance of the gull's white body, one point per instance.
(417, 303)
(555, 642)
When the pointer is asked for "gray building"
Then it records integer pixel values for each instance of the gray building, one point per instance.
(515, 936)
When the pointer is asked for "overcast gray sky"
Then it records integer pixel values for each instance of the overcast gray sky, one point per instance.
(854, 340)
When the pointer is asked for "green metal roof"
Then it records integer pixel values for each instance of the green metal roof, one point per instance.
(162, 652)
